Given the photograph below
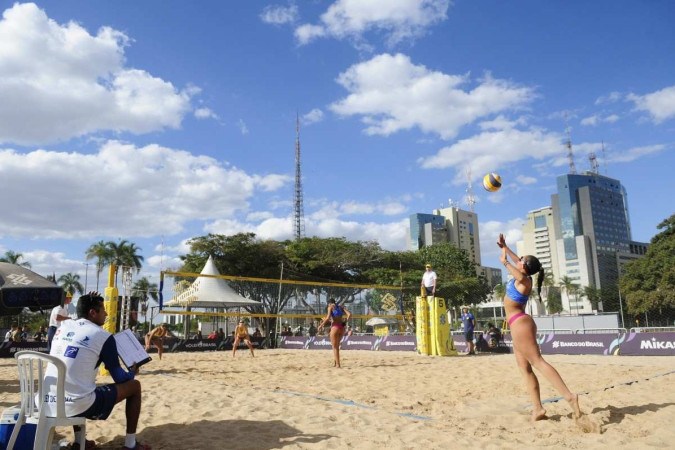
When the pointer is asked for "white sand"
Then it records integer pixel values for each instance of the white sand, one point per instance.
(395, 400)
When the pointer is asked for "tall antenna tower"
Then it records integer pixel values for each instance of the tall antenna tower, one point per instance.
(470, 199)
(604, 157)
(568, 144)
(298, 212)
(595, 167)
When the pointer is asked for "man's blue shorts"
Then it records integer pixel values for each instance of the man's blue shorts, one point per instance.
(106, 398)
(468, 335)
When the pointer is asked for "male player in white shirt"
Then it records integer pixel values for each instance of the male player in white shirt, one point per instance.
(82, 344)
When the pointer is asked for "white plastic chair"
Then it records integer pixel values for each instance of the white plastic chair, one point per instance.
(32, 366)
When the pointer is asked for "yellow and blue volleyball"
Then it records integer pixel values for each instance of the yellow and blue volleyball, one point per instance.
(492, 182)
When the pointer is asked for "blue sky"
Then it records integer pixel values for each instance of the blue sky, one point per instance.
(158, 121)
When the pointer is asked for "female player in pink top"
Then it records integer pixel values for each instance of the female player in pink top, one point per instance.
(524, 330)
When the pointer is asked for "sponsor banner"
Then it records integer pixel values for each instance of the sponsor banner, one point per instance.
(460, 343)
(397, 343)
(8, 349)
(195, 345)
(360, 343)
(576, 344)
(648, 344)
(319, 343)
(297, 342)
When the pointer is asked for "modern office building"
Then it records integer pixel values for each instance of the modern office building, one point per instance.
(426, 230)
(592, 232)
(456, 226)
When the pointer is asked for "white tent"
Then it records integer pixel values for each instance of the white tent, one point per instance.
(210, 292)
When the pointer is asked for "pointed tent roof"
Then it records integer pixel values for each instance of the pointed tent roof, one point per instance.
(210, 292)
(21, 287)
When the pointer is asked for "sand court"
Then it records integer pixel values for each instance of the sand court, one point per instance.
(398, 400)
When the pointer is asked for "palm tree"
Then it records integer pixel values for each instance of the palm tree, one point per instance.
(125, 254)
(14, 258)
(143, 288)
(593, 296)
(101, 253)
(70, 282)
(499, 290)
(548, 283)
(570, 287)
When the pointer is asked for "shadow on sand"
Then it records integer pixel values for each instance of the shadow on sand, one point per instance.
(217, 435)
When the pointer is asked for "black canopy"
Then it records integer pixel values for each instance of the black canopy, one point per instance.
(22, 288)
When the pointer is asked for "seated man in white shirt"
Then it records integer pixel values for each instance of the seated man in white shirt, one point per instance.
(82, 344)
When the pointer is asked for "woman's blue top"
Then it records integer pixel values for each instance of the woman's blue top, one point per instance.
(514, 294)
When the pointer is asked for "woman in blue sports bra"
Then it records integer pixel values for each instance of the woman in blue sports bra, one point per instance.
(335, 314)
(524, 329)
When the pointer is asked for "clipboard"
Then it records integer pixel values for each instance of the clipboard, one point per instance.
(130, 349)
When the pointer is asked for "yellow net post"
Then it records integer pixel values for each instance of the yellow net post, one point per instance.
(441, 338)
(422, 325)
(110, 304)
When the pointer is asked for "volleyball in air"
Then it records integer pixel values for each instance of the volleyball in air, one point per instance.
(492, 182)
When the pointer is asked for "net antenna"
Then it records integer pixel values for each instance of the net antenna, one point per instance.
(568, 144)
(470, 198)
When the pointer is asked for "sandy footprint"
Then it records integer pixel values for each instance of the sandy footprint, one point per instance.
(591, 423)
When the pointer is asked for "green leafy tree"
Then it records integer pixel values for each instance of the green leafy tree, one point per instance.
(70, 282)
(15, 258)
(246, 256)
(648, 284)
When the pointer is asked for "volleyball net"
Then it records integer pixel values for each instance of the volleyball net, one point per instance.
(285, 305)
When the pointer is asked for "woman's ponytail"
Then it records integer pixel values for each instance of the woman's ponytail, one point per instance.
(540, 281)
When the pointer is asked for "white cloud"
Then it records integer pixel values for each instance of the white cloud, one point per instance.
(259, 216)
(393, 94)
(612, 97)
(597, 120)
(122, 190)
(397, 20)
(307, 33)
(660, 104)
(391, 236)
(315, 115)
(272, 182)
(59, 81)
(489, 233)
(205, 113)
(522, 179)
(494, 150)
(243, 129)
(635, 153)
(279, 15)
(590, 121)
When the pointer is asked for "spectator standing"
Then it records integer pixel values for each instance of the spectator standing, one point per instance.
(56, 318)
(469, 323)
(429, 280)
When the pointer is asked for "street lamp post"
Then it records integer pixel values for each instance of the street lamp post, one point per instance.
(86, 275)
